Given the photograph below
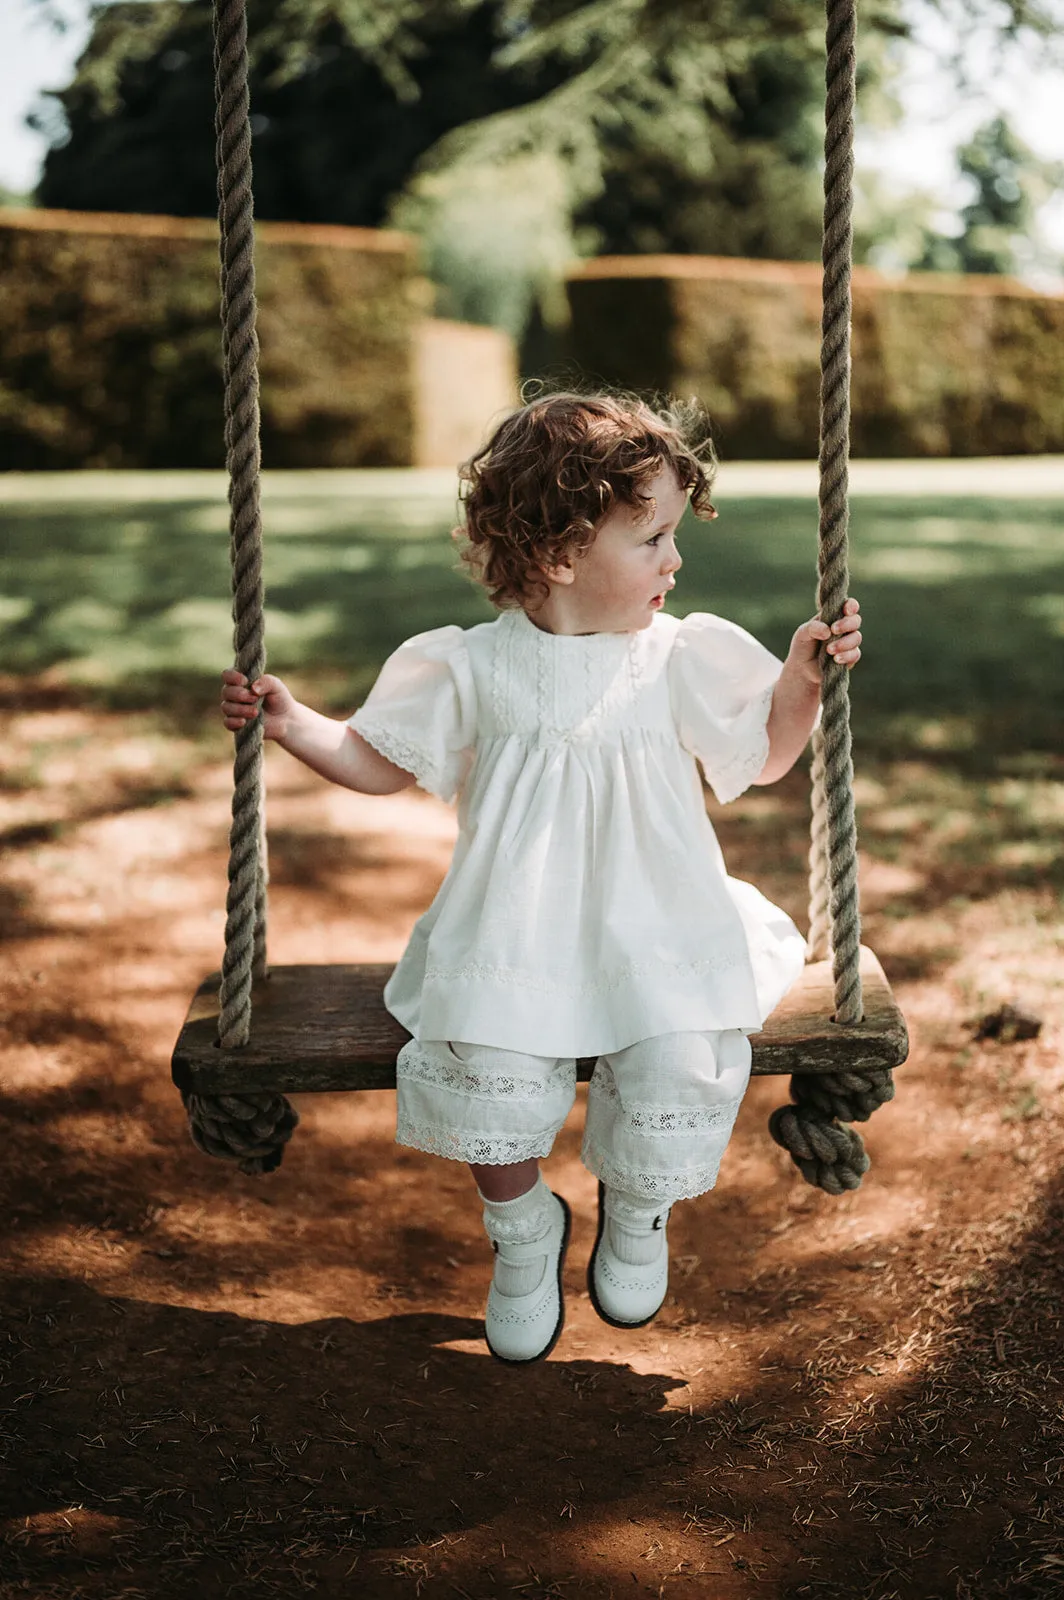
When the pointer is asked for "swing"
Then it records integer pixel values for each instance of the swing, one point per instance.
(838, 1032)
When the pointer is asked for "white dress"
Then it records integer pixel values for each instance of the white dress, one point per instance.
(587, 906)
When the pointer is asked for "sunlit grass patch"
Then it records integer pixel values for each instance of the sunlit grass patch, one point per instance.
(126, 590)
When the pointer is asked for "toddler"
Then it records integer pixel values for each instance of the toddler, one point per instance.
(587, 911)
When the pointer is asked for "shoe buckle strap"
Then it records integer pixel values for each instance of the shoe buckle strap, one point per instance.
(518, 1251)
(637, 1219)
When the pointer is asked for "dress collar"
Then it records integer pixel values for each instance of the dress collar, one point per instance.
(523, 623)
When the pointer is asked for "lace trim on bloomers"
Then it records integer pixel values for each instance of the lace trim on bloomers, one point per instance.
(661, 1121)
(472, 1147)
(458, 1078)
(657, 1188)
(399, 751)
(555, 984)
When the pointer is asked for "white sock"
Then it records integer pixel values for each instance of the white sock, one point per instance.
(520, 1221)
(635, 1227)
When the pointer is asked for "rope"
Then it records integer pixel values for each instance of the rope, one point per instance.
(833, 814)
(828, 1153)
(250, 1129)
(813, 1128)
(244, 933)
(819, 944)
(831, 1157)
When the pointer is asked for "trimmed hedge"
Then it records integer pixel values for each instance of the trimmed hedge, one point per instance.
(943, 365)
(110, 343)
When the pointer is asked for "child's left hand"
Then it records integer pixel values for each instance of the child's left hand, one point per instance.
(845, 645)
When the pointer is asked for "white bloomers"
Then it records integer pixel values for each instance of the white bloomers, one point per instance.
(659, 1113)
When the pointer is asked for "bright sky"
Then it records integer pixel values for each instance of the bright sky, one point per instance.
(1022, 81)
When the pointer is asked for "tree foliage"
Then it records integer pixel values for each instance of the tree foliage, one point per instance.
(1010, 182)
(645, 103)
(509, 134)
(338, 126)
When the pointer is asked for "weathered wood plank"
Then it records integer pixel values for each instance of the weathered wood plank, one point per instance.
(800, 1036)
(325, 1027)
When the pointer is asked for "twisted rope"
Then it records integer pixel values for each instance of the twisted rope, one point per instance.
(830, 1154)
(819, 943)
(813, 1128)
(245, 922)
(250, 1129)
(833, 812)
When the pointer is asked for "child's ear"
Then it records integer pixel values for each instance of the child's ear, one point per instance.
(563, 573)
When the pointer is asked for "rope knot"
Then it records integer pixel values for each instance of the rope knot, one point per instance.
(250, 1129)
(813, 1130)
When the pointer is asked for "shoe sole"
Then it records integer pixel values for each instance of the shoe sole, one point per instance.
(614, 1322)
(541, 1355)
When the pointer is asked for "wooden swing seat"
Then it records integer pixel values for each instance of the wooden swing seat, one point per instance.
(325, 1027)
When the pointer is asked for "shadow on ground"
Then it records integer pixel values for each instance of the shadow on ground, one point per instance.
(162, 1449)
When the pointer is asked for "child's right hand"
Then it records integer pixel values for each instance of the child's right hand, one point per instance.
(241, 702)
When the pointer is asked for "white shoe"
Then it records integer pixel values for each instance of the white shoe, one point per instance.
(525, 1327)
(624, 1295)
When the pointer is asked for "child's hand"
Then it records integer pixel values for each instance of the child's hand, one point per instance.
(845, 646)
(240, 702)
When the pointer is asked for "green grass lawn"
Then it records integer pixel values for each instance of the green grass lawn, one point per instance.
(123, 588)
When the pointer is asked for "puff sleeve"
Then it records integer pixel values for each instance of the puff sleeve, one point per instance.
(421, 712)
(720, 686)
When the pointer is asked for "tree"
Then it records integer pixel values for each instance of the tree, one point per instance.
(1010, 183)
(509, 134)
(337, 127)
(750, 186)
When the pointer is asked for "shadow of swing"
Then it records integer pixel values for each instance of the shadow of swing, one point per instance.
(169, 1431)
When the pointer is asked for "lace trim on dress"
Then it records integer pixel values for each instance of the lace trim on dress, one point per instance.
(400, 751)
(555, 983)
(736, 775)
(562, 689)
(456, 1145)
(455, 1076)
(635, 664)
(540, 668)
(663, 1121)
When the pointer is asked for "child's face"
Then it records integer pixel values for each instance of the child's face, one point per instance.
(620, 583)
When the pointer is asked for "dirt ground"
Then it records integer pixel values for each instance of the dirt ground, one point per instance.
(220, 1385)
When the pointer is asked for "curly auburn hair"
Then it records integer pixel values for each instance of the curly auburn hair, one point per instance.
(535, 494)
